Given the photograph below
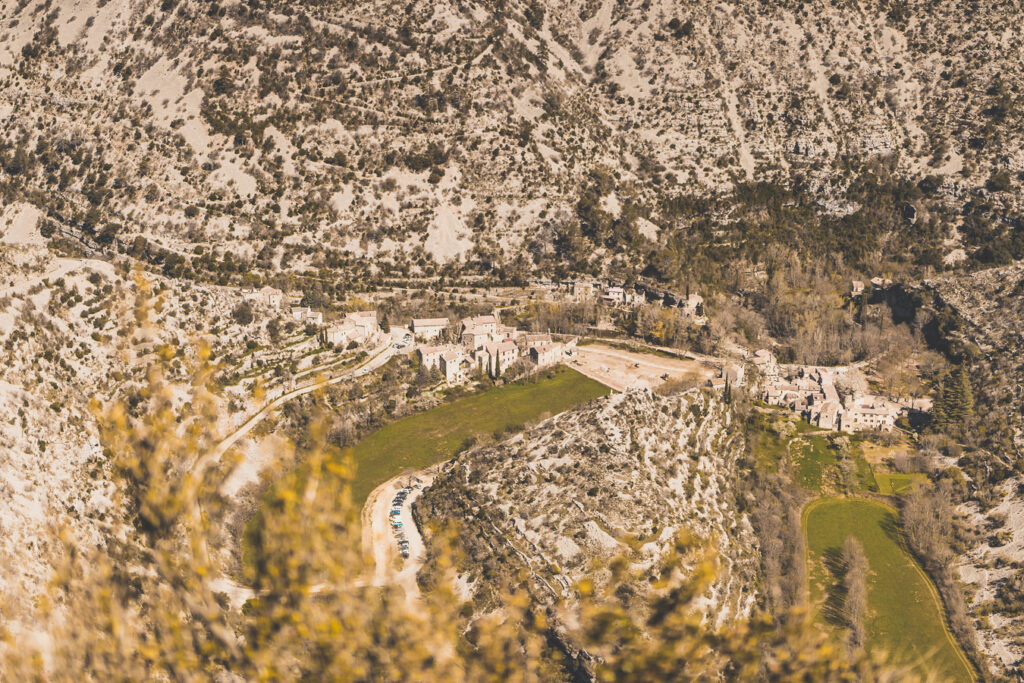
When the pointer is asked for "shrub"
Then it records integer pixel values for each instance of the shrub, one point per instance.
(243, 313)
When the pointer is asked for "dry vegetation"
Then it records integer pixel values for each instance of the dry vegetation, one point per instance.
(145, 605)
(228, 140)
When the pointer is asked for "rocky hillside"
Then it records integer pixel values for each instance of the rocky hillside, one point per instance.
(231, 137)
(69, 336)
(621, 476)
(982, 316)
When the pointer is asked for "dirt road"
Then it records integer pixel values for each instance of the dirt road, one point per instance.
(378, 357)
(380, 546)
(385, 566)
(622, 370)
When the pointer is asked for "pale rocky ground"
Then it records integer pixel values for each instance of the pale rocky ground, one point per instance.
(986, 566)
(51, 463)
(275, 137)
(620, 475)
(991, 304)
(66, 338)
(247, 134)
(623, 370)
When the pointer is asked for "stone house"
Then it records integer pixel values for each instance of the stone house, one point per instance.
(268, 296)
(864, 413)
(341, 333)
(358, 326)
(545, 355)
(497, 357)
(481, 323)
(304, 314)
(484, 329)
(272, 297)
(476, 339)
(733, 374)
(764, 361)
(614, 295)
(825, 414)
(430, 356)
(454, 366)
(365, 320)
(528, 341)
(582, 291)
(428, 328)
(693, 305)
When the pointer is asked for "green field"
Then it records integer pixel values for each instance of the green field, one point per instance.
(812, 456)
(894, 484)
(430, 437)
(814, 459)
(905, 615)
(423, 439)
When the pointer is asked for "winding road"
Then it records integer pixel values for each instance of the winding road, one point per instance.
(378, 357)
(236, 592)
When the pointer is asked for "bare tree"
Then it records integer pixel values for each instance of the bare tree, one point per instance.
(855, 581)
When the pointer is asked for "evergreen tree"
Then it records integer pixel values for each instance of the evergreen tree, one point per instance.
(424, 376)
(953, 400)
(940, 417)
(966, 396)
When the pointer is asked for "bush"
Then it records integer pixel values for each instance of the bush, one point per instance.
(243, 313)
(999, 181)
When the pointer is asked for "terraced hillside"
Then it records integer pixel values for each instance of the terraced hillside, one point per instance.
(621, 476)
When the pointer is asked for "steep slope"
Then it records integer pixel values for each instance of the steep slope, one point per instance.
(230, 136)
(69, 337)
(620, 476)
(982, 315)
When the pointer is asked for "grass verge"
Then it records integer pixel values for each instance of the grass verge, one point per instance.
(895, 484)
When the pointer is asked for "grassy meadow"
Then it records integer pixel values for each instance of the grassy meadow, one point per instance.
(426, 438)
(905, 617)
(435, 435)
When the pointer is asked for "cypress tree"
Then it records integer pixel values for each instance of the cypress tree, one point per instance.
(966, 396)
(954, 404)
(939, 415)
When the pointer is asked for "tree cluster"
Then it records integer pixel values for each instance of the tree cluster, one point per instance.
(953, 401)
